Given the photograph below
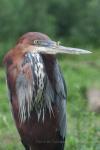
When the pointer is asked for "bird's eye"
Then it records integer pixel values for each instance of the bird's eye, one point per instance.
(35, 42)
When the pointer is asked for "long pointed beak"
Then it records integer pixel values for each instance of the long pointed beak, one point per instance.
(61, 50)
(51, 47)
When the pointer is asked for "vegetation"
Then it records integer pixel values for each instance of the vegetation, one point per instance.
(83, 131)
(75, 20)
(83, 125)
(74, 23)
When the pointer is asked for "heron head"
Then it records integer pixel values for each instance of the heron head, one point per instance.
(43, 44)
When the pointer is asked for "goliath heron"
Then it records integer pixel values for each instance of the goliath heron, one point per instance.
(37, 91)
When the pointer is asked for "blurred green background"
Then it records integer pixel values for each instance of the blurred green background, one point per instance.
(74, 23)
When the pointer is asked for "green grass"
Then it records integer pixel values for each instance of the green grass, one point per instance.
(83, 131)
(9, 138)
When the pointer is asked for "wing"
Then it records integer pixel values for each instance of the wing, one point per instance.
(61, 95)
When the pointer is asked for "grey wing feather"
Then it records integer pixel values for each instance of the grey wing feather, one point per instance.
(61, 95)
